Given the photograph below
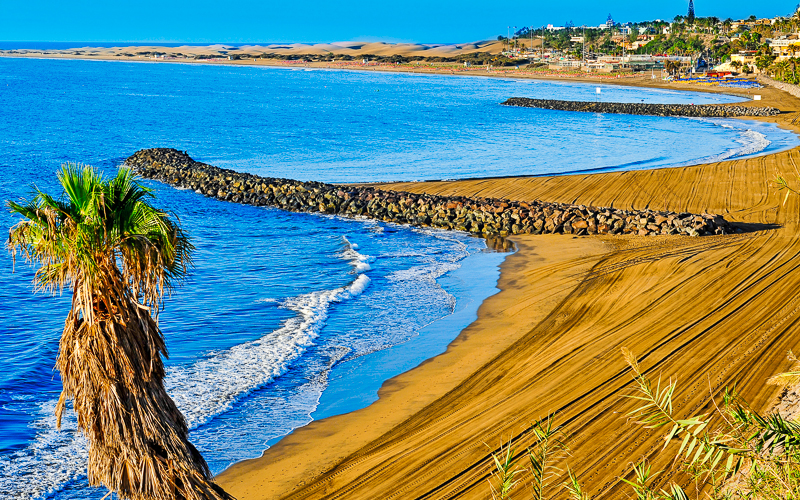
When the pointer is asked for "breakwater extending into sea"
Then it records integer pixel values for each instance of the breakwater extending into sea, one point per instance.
(633, 108)
(274, 327)
(481, 216)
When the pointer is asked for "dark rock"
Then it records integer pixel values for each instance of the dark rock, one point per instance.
(480, 216)
(633, 108)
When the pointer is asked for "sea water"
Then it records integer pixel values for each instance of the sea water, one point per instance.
(290, 317)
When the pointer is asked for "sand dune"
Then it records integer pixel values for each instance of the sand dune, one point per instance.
(713, 312)
(351, 48)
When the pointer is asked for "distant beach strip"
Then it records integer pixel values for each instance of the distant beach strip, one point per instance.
(480, 216)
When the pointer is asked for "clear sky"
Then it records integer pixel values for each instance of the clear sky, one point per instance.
(241, 21)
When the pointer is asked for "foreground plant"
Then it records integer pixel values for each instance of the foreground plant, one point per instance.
(732, 451)
(119, 255)
(547, 450)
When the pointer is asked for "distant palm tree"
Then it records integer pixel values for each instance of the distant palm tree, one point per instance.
(672, 66)
(118, 254)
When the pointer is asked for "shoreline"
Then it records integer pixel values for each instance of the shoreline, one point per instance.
(640, 80)
(632, 81)
(396, 444)
(610, 269)
(419, 387)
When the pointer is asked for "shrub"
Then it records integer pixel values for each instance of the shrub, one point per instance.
(730, 452)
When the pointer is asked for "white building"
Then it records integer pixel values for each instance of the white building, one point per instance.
(785, 46)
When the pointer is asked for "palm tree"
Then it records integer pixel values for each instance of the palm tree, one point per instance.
(671, 66)
(781, 68)
(119, 255)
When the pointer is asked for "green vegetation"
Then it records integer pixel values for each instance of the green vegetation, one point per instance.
(474, 59)
(709, 38)
(118, 255)
(729, 452)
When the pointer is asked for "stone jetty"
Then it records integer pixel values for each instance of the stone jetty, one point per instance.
(488, 217)
(699, 111)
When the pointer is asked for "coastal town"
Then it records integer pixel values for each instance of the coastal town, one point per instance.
(684, 47)
(688, 48)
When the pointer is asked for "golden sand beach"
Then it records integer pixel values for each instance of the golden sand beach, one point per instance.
(713, 312)
(345, 55)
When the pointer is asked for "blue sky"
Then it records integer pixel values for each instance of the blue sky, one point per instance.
(239, 21)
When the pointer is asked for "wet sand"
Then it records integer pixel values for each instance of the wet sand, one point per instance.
(712, 311)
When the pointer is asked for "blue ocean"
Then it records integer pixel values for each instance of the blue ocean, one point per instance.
(291, 317)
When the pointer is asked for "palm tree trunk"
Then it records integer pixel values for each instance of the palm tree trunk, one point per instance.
(111, 366)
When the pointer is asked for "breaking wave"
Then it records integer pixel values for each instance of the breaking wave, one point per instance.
(202, 390)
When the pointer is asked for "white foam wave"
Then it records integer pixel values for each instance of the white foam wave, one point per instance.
(201, 390)
(750, 142)
(359, 262)
(420, 273)
(210, 386)
(54, 458)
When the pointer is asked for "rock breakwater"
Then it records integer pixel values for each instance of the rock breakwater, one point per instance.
(489, 217)
(690, 110)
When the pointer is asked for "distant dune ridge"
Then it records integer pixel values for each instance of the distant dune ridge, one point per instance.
(351, 48)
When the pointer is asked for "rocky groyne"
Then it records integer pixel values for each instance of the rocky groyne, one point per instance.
(481, 216)
(699, 111)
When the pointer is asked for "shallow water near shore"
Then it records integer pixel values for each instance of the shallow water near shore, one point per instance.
(292, 317)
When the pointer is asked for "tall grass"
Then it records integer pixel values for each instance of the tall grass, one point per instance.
(730, 452)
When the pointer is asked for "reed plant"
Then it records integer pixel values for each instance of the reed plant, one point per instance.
(730, 452)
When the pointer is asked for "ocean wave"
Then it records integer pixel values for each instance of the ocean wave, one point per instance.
(202, 390)
(210, 386)
(750, 142)
(53, 458)
(360, 262)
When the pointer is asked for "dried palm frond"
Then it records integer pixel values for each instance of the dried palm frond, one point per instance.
(118, 255)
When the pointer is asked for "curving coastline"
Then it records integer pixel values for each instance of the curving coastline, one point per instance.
(634, 108)
(489, 217)
(713, 312)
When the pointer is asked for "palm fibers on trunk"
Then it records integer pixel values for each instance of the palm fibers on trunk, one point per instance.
(118, 254)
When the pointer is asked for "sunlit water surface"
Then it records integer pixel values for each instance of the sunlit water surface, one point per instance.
(289, 317)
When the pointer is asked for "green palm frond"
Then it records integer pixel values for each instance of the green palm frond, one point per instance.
(96, 222)
(118, 254)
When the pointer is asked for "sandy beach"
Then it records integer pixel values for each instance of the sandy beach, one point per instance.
(355, 51)
(713, 312)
